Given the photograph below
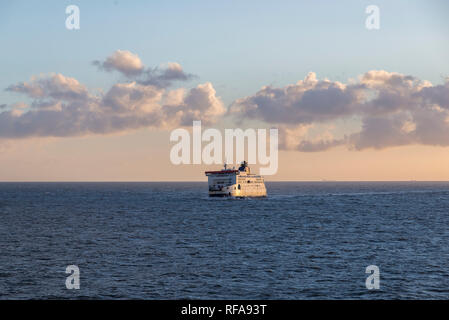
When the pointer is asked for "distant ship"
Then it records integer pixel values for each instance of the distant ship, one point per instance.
(236, 183)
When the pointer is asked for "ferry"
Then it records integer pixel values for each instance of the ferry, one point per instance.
(239, 183)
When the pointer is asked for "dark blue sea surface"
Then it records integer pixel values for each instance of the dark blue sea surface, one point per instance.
(171, 241)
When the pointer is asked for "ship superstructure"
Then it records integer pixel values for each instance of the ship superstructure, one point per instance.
(236, 183)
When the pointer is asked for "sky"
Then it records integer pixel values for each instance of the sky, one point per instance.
(99, 103)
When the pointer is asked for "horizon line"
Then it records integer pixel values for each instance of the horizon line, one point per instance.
(205, 181)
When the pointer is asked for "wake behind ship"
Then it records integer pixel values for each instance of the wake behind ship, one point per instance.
(236, 183)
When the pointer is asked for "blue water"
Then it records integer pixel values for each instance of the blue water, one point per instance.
(171, 241)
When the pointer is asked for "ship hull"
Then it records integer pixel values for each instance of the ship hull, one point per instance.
(233, 196)
(253, 191)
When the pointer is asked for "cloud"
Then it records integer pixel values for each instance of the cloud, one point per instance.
(310, 146)
(307, 101)
(378, 110)
(130, 65)
(438, 95)
(393, 110)
(200, 103)
(54, 86)
(63, 107)
(382, 132)
(123, 61)
(163, 77)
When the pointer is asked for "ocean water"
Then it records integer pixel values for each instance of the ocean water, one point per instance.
(171, 241)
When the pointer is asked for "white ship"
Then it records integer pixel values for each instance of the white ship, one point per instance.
(236, 183)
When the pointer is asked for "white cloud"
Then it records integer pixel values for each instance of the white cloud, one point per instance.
(123, 61)
(63, 107)
(54, 86)
(130, 65)
(394, 109)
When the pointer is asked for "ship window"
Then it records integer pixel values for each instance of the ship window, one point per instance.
(239, 187)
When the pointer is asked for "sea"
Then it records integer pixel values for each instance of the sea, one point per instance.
(169, 240)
